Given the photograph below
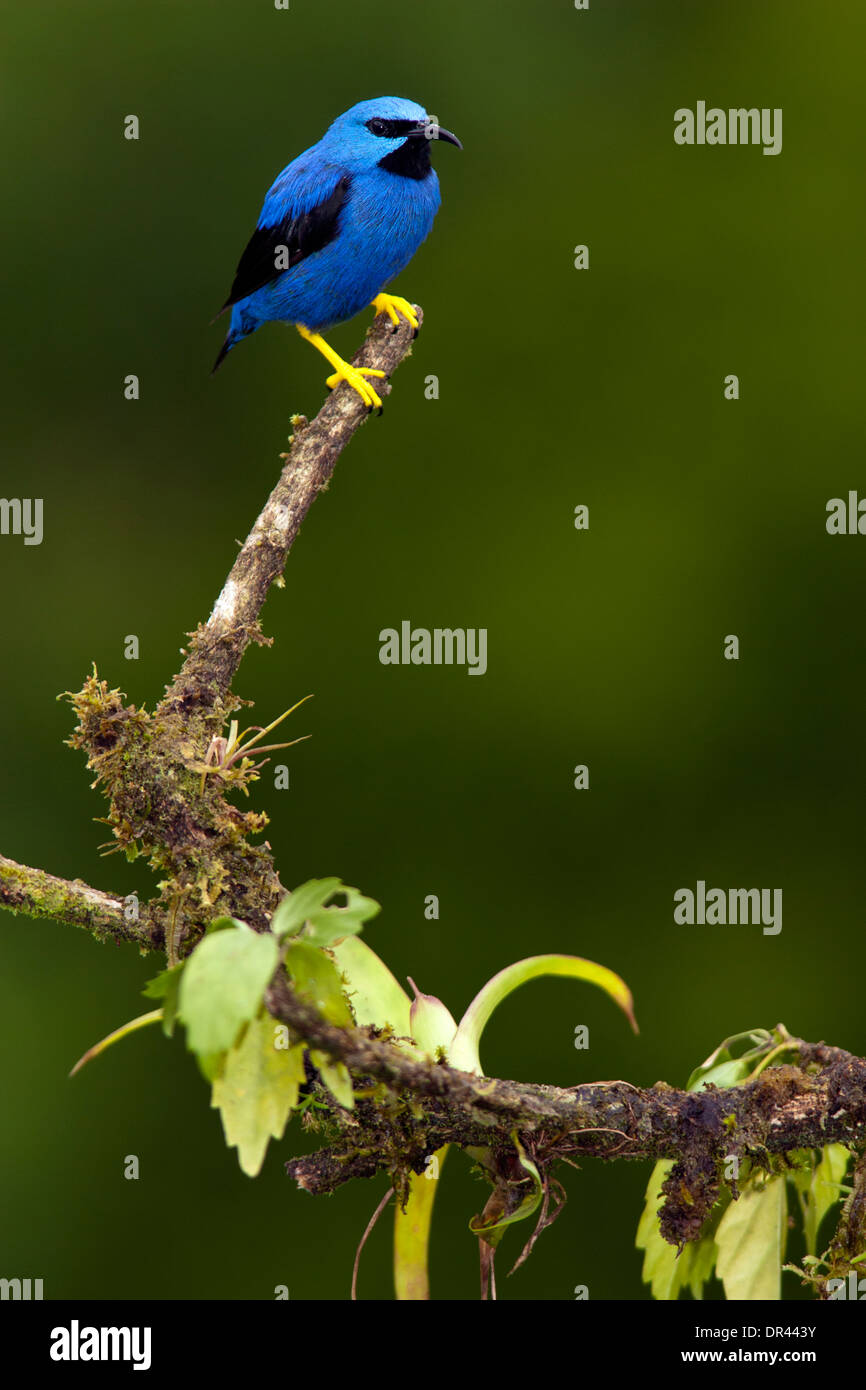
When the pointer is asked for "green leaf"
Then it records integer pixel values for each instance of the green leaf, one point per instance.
(667, 1272)
(336, 1077)
(222, 985)
(307, 910)
(166, 986)
(751, 1241)
(222, 924)
(731, 1073)
(297, 906)
(318, 981)
(464, 1053)
(818, 1188)
(723, 1068)
(828, 1175)
(258, 1091)
(374, 995)
(704, 1252)
(211, 1064)
(661, 1267)
(331, 923)
(412, 1232)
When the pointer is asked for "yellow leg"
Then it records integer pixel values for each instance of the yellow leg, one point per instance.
(344, 370)
(393, 305)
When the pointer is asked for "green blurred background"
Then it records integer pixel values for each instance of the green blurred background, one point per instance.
(557, 387)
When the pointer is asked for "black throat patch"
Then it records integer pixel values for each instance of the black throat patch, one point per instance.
(411, 160)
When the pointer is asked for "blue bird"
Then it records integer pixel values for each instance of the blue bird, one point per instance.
(337, 225)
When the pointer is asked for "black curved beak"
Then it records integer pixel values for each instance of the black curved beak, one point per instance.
(442, 134)
(434, 132)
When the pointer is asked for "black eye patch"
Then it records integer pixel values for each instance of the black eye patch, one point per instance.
(392, 130)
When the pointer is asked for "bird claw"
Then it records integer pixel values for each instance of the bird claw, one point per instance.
(355, 377)
(394, 305)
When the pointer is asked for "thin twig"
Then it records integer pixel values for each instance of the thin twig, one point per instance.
(363, 1241)
(216, 648)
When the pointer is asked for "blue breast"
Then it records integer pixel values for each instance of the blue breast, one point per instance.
(382, 224)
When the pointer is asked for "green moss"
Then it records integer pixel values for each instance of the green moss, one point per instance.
(149, 767)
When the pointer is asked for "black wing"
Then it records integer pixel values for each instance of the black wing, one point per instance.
(300, 236)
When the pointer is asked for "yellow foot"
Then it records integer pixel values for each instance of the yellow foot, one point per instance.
(344, 371)
(355, 377)
(393, 305)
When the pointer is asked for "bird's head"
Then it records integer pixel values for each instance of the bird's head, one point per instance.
(390, 132)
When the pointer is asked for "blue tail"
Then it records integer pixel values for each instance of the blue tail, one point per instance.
(241, 327)
(223, 352)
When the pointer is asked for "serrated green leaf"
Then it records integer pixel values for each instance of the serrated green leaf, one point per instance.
(328, 924)
(464, 1051)
(317, 980)
(222, 985)
(257, 1091)
(336, 1077)
(309, 910)
(751, 1241)
(661, 1268)
(375, 996)
(166, 986)
(703, 1254)
(296, 907)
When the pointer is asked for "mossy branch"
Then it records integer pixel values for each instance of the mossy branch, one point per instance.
(108, 917)
(167, 802)
(161, 803)
(819, 1101)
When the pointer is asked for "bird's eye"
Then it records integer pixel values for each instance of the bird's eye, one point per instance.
(377, 126)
